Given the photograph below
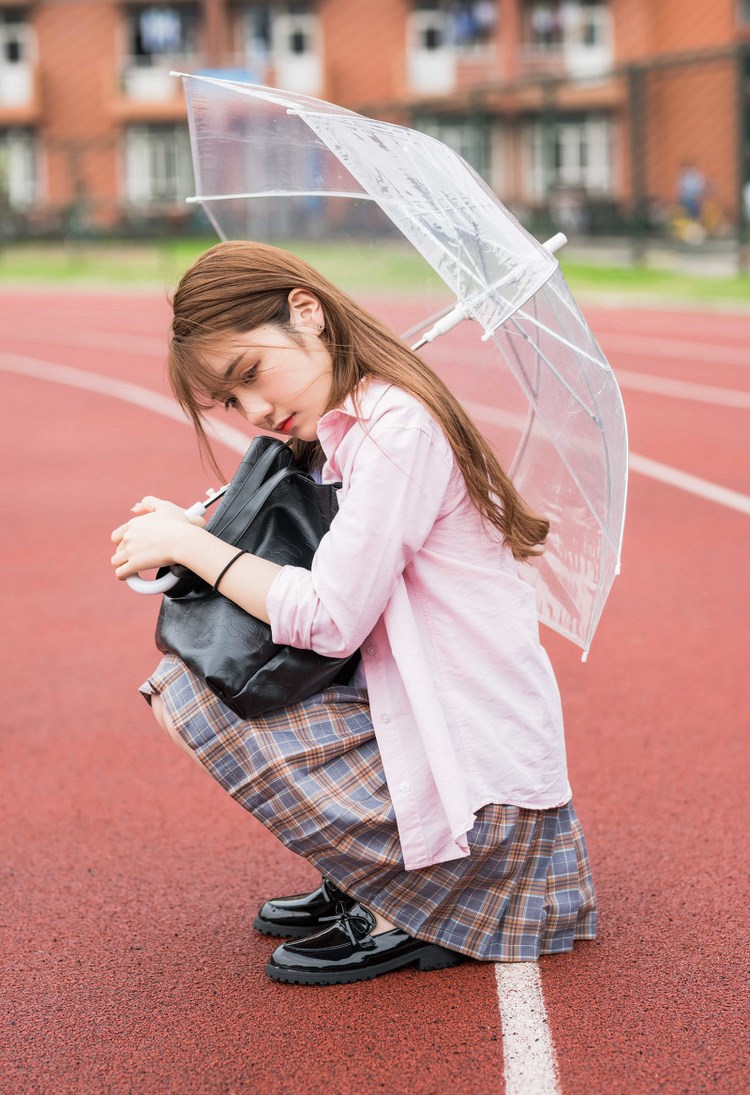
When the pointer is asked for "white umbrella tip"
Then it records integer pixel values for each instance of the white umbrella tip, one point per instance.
(554, 243)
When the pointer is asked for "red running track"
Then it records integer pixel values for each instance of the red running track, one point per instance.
(130, 880)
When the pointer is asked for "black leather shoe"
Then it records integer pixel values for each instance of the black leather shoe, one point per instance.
(347, 951)
(302, 914)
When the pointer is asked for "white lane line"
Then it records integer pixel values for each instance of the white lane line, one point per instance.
(683, 480)
(529, 1060)
(683, 389)
(529, 1055)
(707, 353)
(643, 465)
(144, 345)
(238, 441)
(528, 1052)
(99, 340)
(117, 389)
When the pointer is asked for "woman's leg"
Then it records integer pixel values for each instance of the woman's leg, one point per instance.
(164, 720)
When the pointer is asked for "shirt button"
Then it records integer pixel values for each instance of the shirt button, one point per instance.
(385, 718)
(370, 649)
(404, 786)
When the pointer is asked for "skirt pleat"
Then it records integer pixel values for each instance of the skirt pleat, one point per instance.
(313, 775)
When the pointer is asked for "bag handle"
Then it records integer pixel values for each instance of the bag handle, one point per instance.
(255, 503)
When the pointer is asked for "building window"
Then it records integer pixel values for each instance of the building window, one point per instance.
(15, 58)
(466, 137)
(573, 36)
(281, 42)
(569, 155)
(544, 25)
(465, 26)
(162, 36)
(158, 168)
(18, 174)
(14, 36)
(443, 34)
(587, 24)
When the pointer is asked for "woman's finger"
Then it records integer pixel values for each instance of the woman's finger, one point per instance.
(147, 504)
(124, 571)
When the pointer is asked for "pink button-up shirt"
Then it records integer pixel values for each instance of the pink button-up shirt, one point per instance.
(464, 702)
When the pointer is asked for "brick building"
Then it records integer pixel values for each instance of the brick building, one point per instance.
(549, 99)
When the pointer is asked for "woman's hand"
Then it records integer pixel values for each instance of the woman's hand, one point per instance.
(155, 537)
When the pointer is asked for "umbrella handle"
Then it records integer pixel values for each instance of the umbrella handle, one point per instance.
(169, 580)
(155, 585)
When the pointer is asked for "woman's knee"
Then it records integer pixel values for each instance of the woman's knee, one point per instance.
(157, 710)
(164, 720)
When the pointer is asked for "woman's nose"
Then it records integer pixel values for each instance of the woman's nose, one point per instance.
(259, 411)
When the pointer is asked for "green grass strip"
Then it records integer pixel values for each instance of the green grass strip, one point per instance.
(358, 266)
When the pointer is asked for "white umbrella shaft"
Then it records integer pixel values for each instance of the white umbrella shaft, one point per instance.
(460, 312)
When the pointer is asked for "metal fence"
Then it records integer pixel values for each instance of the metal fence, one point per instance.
(689, 151)
(654, 154)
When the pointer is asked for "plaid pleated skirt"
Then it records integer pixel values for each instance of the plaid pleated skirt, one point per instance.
(312, 774)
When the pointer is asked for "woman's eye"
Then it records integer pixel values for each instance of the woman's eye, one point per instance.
(230, 403)
(248, 376)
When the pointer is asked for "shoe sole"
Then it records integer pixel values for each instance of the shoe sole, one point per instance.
(431, 958)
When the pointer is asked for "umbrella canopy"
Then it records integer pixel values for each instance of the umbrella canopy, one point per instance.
(272, 165)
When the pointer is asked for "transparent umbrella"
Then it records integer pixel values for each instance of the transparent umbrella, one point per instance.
(275, 166)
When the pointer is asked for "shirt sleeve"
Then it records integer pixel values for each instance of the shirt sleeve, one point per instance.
(398, 485)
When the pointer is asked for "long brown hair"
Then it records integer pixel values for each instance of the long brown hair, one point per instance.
(238, 286)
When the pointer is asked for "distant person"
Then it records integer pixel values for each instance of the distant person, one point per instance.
(430, 789)
(691, 190)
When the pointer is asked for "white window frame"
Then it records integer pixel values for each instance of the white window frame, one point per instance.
(595, 134)
(188, 52)
(300, 72)
(20, 188)
(541, 47)
(583, 58)
(144, 147)
(16, 76)
(430, 71)
(462, 135)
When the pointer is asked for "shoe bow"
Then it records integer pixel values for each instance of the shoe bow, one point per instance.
(357, 923)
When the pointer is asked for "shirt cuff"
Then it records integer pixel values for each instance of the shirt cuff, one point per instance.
(289, 592)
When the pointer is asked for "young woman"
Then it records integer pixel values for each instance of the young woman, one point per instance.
(431, 790)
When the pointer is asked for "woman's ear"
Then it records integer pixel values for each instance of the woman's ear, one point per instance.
(305, 310)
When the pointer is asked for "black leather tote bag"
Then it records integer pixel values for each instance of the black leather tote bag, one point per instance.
(276, 511)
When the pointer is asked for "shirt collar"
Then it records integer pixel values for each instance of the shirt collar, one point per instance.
(336, 423)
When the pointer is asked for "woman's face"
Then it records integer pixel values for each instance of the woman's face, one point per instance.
(282, 385)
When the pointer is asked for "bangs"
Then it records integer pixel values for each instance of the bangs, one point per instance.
(196, 386)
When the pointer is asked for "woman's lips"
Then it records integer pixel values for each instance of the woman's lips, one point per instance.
(285, 426)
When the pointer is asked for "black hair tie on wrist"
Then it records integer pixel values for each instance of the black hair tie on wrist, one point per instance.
(233, 560)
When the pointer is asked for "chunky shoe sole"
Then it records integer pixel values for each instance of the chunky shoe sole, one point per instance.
(431, 957)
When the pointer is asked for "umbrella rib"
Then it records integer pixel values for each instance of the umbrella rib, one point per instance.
(280, 194)
(596, 420)
(578, 350)
(555, 372)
